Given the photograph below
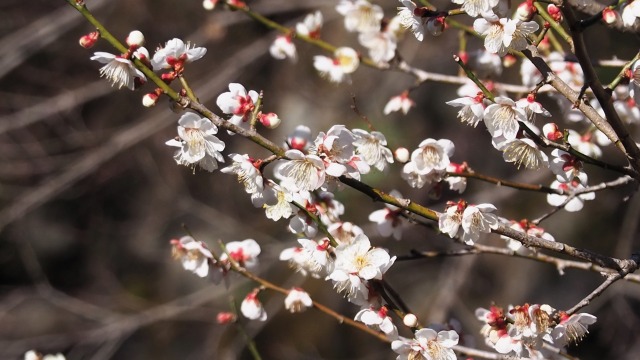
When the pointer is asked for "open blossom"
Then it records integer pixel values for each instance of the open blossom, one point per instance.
(631, 13)
(502, 34)
(416, 179)
(344, 232)
(523, 152)
(302, 172)
(502, 118)
(409, 20)
(175, 54)
(389, 219)
(372, 148)
(379, 320)
(571, 328)
(477, 219)
(245, 252)
(335, 148)
(532, 107)
(239, 103)
(297, 300)
(248, 174)
(310, 258)
(432, 155)
(450, 221)
(584, 143)
(474, 8)
(310, 26)
(400, 102)
(197, 143)
(427, 344)
(381, 45)
(472, 111)
(120, 71)
(283, 47)
(575, 203)
(357, 262)
(345, 61)
(528, 228)
(567, 167)
(252, 308)
(193, 255)
(360, 15)
(33, 355)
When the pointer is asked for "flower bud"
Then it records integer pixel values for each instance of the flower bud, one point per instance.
(610, 16)
(525, 11)
(401, 154)
(410, 320)
(209, 4)
(436, 25)
(149, 99)
(87, 41)
(508, 60)
(555, 12)
(135, 38)
(270, 120)
(225, 317)
(552, 132)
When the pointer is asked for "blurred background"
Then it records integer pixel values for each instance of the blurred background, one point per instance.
(90, 195)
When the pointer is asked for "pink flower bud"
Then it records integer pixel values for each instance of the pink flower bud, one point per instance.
(610, 16)
(555, 12)
(508, 60)
(402, 155)
(225, 317)
(270, 120)
(135, 39)
(87, 41)
(149, 100)
(552, 132)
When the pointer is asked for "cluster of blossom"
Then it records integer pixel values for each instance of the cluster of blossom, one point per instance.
(524, 330)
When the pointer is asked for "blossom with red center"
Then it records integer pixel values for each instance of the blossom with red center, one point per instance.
(175, 54)
(252, 308)
(239, 103)
(245, 252)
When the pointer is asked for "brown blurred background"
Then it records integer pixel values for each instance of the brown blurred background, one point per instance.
(90, 196)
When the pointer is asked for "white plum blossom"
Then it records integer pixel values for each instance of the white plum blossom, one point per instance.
(378, 320)
(372, 148)
(302, 172)
(477, 219)
(197, 143)
(239, 103)
(503, 34)
(381, 45)
(529, 73)
(33, 355)
(193, 255)
(400, 102)
(450, 221)
(457, 183)
(310, 26)
(567, 167)
(501, 118)
(252, 308)
(248, 174)
(310, 258)
(634, 81)
(118, 70)
(360, 15)
(345, 61)
(575, 203)
(432, 155)
(283, 48)
(409, 19)
(584, 143)
(472, 111)
(344, 232)
(356, 263)
(571, 328)
(297, 300)
(275, 201)
(175, 54)
(336, 149)
(532, 107)
(245, 253)
(630, 13)
(414, 177)
(389, 220)
(300, 139)
(474, 8)
(427, 344)
(523, 152)
(528, 228)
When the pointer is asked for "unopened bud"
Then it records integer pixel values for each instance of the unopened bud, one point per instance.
(544, 44)
(209, 4)
(555, 12)
(552, 132)
(525, 11)
(401, 154)
(87, 41)
(410, 320)
(135, 38)
(609, 15)
(270, 120)
(149, 99)
(225, 317)
(508, 60)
